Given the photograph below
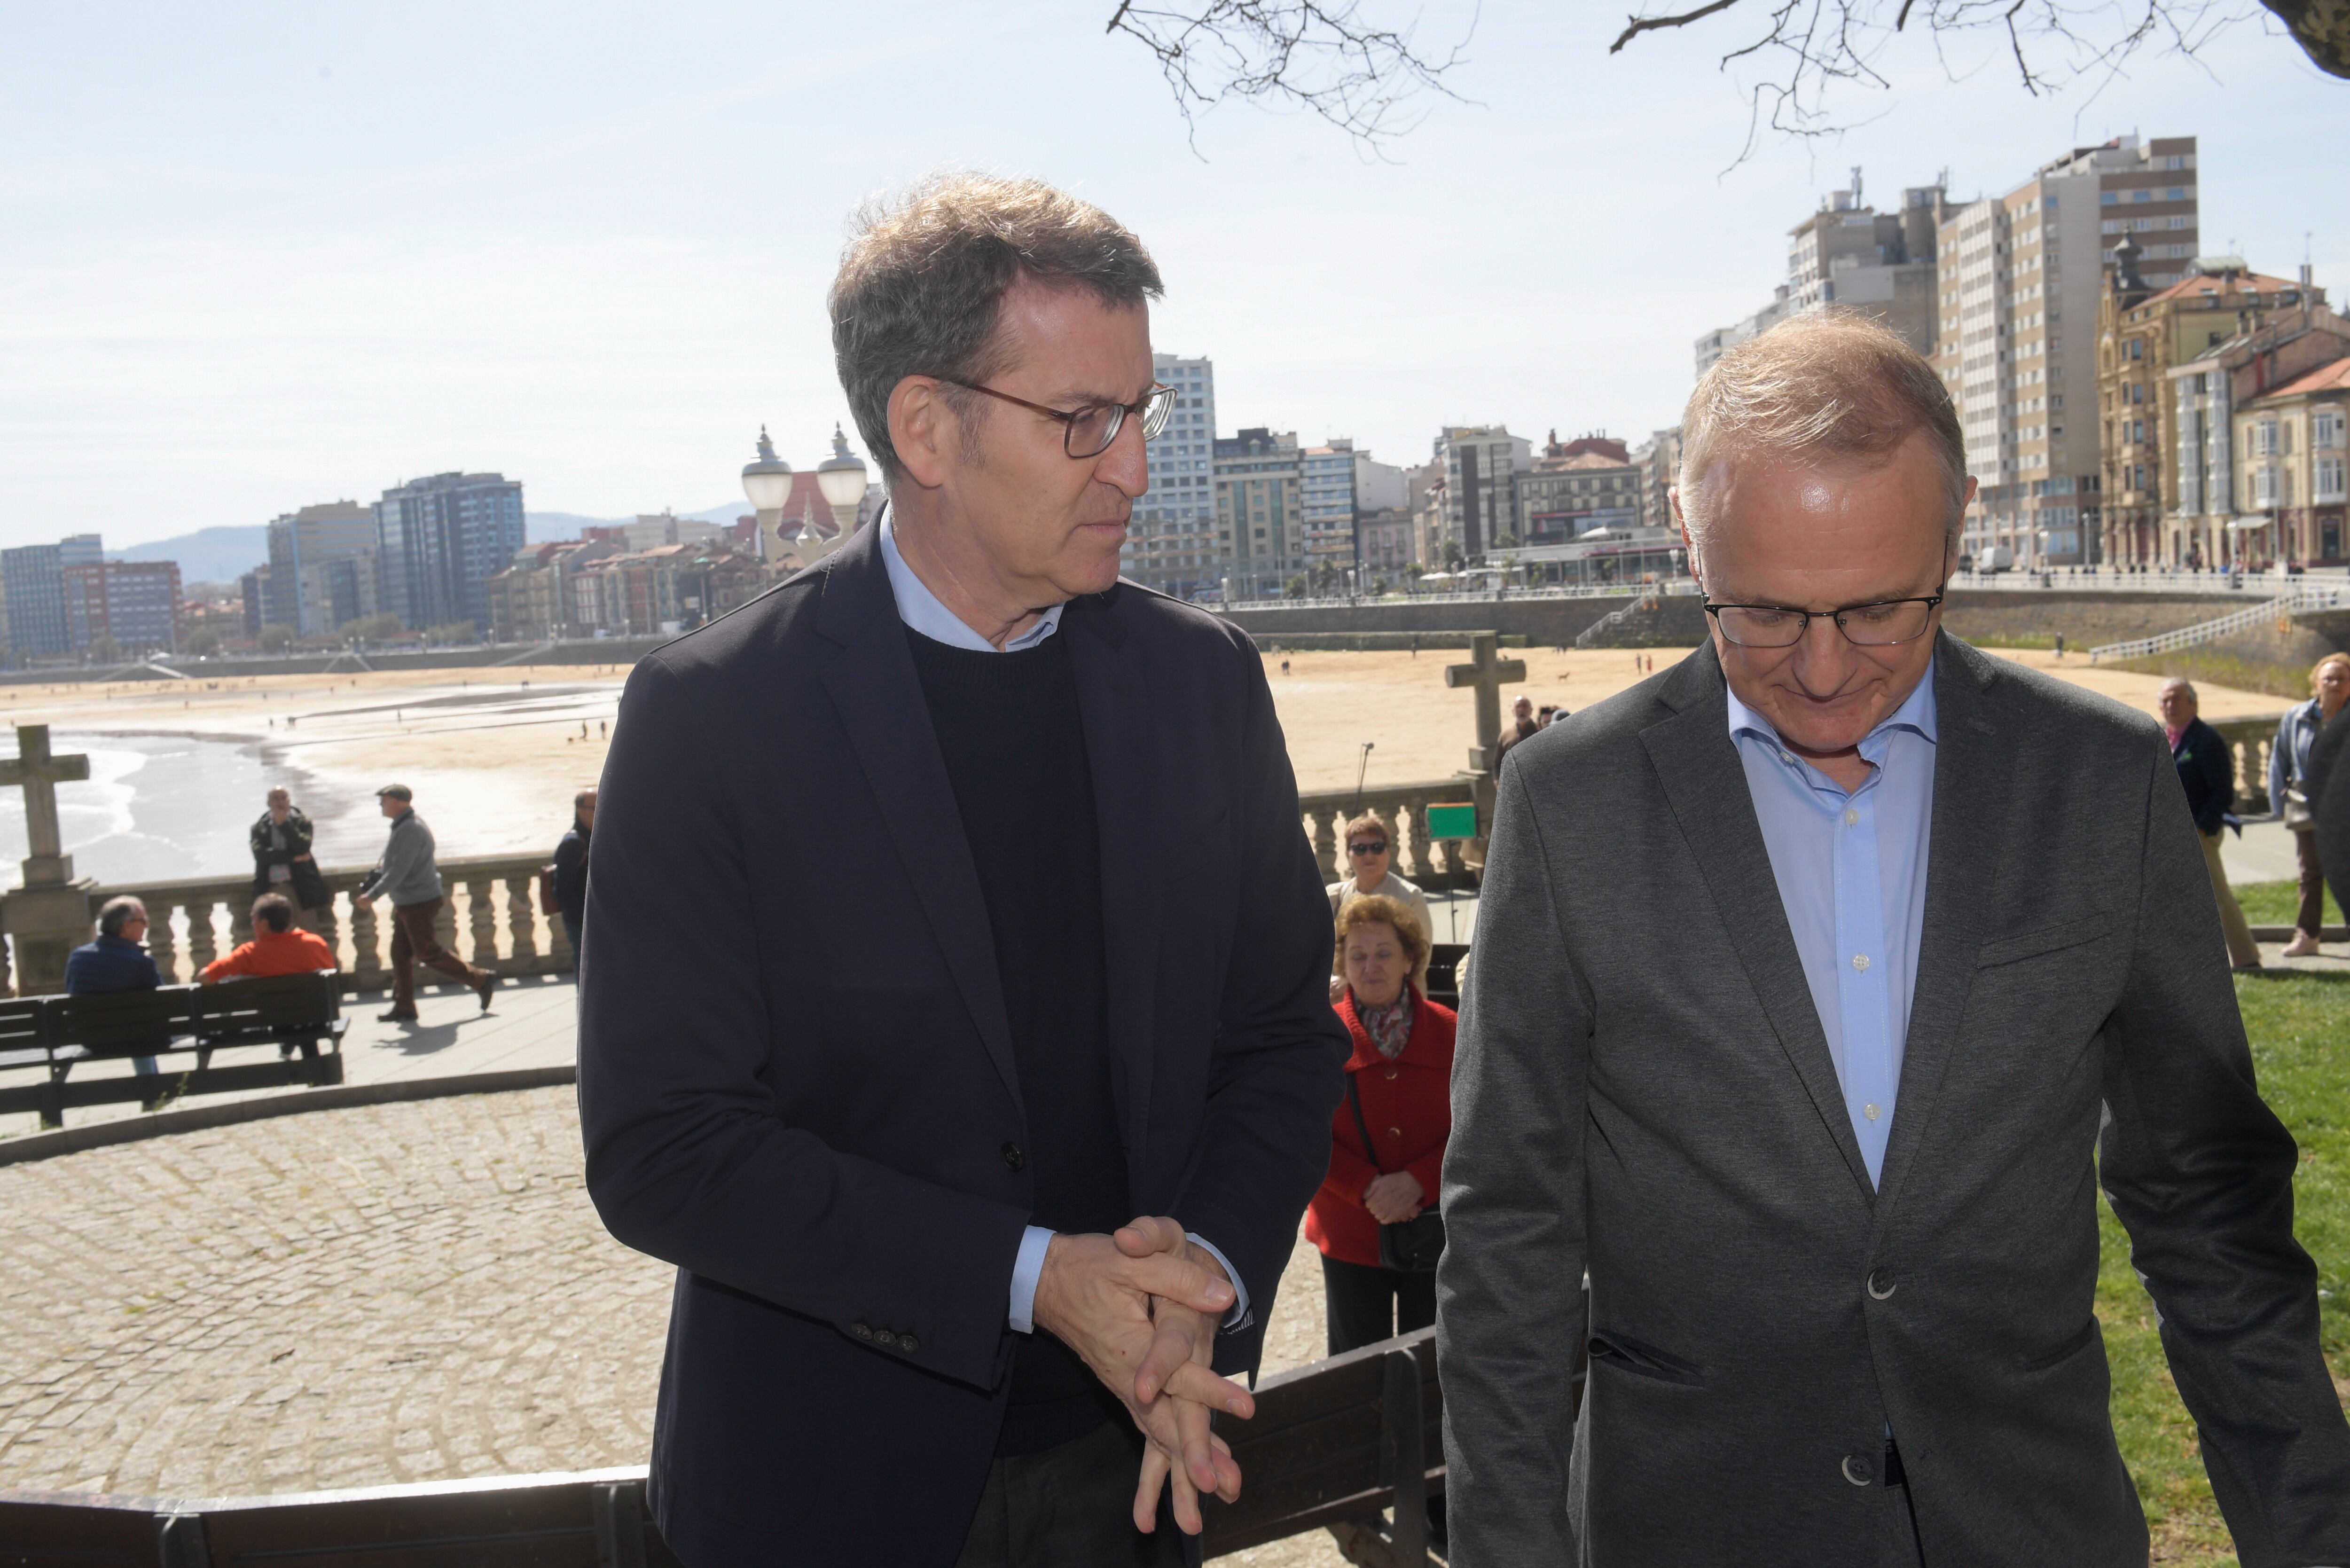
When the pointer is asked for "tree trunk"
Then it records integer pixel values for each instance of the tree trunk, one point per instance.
(2321, 28)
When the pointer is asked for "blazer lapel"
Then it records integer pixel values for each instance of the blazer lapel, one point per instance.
(1122, 749)
(874, 689)
(1705, 784)
(1970, 770)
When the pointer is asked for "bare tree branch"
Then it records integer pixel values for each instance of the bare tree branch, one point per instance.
(1313, 55)
(1640, 25)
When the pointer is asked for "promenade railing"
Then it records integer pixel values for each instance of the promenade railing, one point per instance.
(489, 917)
(2299, 596)
(1402, 810)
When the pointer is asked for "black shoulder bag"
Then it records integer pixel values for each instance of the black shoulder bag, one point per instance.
(1412, 1247)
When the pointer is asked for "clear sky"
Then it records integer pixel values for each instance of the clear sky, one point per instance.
(257, 255)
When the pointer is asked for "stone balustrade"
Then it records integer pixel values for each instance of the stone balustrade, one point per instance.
(2251, 740)
(1414, 855)
(489, 917)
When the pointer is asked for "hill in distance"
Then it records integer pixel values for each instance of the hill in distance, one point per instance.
(225, 553)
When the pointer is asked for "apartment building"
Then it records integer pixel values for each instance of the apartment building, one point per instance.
(2020, 279)
(322, 568)
(122, 608)
(1575, 487)
(439, 540)
(1480, 466)
(1325, 479)
(2216, 522)
(2295, 442)
(1260, 510)
(2143, 334)
(1171, 542)
(35, 587)
(1660, 460)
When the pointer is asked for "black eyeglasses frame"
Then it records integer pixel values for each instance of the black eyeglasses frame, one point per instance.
(1153, 409)
(1807, 617)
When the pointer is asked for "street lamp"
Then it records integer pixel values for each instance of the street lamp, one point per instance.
(768, 484)
(841, 478)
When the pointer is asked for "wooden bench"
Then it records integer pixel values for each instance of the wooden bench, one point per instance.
(301, 1014)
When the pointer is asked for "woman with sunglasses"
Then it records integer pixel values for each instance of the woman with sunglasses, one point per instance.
(1370, 854)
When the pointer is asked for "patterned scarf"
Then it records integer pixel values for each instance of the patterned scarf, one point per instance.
(1389, 1027)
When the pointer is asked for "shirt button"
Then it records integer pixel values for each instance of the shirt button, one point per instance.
(1860, 960)
(1871, 1112)
(1851, 816)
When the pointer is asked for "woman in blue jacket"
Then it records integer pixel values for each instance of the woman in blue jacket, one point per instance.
(2288, 797)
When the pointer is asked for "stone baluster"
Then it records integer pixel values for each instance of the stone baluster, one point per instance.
(5, 988)
(1423, 867)
(367, 954)
(204, 943)
(1326, 842)
(444, 924)
(240, 921)
(163, 944)
(481, 907)
(558, 945)
(522, 924)
(1391, 826)
(328, 931)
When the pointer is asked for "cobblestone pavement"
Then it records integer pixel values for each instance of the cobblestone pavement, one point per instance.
(400, 1293)
(345, 1298)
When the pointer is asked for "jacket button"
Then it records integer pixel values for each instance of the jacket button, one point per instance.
(884, 1338)
(1856, 1470)
(1395, 1132)
(1880, 1283)
(1013, 1158)
(909, 1344)
(1392, 1073)
(860, 1330)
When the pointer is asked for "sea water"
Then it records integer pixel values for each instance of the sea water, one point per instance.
(156, 807)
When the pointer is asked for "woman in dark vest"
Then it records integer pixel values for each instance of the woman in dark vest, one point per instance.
(282, 862)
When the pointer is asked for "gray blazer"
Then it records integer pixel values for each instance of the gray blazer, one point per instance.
(1643, 1090)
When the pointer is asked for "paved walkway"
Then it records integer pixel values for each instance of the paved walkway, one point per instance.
(530, 1023)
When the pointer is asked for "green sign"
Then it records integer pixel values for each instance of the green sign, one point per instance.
(1459, 821)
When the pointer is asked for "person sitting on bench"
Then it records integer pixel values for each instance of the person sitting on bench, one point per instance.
(115, 961)
(279, 946)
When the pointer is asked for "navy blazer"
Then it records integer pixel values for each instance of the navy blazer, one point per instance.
(796, 1077)
(110, 963)
(2206, 771)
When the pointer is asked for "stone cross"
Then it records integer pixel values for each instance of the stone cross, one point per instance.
(1485, 672)
(39, 774)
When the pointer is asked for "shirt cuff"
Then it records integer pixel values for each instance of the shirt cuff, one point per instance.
(1026, 1267)
(1238, 1318)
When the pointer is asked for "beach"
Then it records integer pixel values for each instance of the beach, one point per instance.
(180, 767)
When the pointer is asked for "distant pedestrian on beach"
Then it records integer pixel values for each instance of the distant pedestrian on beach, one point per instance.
(2289, 795)
(2206, 771)
(116, 960)
(282, 861)
(279, 946)
(408, 877)
(571, 868)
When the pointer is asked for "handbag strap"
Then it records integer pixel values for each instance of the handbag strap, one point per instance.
(1370, 1150)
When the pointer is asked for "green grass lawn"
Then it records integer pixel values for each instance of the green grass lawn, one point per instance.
(2300, 1030)
(2276, 903)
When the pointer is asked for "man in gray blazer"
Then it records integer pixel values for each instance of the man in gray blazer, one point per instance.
(1807, 971)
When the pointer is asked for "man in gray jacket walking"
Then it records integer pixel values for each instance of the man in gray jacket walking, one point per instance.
(1803, 1062)
(409, 879)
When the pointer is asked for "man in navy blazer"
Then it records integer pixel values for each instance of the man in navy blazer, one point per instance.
(956, 1018)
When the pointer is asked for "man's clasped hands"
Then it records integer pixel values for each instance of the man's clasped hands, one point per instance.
(1142, 1308)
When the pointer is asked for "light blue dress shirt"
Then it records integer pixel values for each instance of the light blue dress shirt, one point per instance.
(921, 609)
(1851, 870)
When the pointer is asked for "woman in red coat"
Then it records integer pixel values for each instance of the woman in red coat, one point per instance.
(1401, 1072)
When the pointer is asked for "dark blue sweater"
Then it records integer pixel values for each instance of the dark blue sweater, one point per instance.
(110, 963)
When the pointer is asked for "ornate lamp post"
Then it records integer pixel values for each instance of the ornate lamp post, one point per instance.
(841, 478)
(768, 484)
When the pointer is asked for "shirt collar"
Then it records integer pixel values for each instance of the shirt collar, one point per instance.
(1917, 713)
(920, 608)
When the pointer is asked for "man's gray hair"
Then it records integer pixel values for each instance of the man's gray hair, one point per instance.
(2182, 684)
(1828, 385)
(922, 283)
(117, 913)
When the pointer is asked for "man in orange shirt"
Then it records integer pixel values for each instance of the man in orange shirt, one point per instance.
(277, 946)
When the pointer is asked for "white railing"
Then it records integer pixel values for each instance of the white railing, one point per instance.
(2301, 596)
(1479, 596)
(2109, 580)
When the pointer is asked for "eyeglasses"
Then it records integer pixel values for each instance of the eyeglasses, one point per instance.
(1369, 847)
(1884, 624)
(1087, 431)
